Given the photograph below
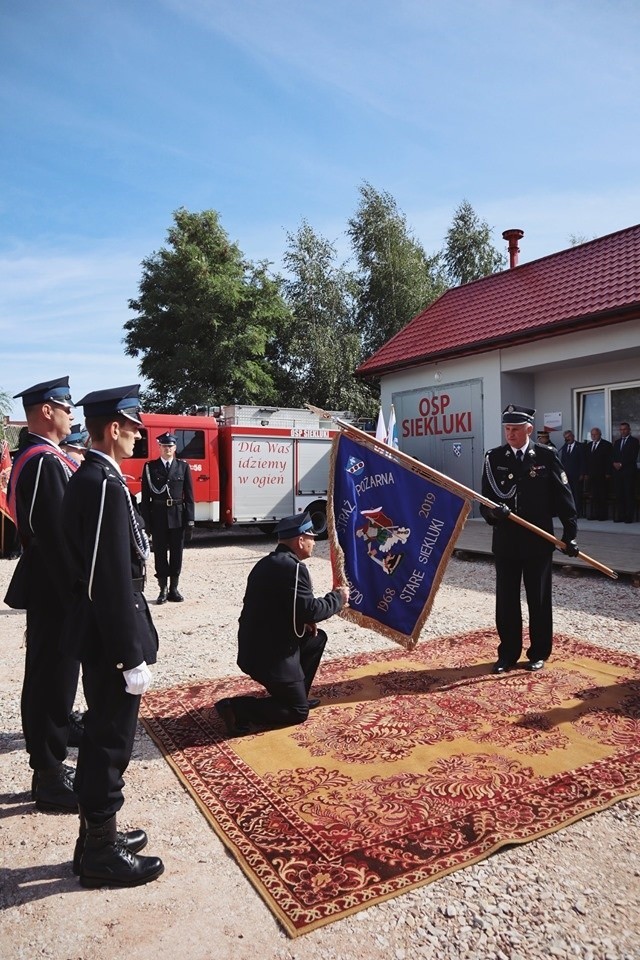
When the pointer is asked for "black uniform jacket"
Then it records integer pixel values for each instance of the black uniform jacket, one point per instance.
(268, 647)
(110, 618)
(42, 573)
(158, 487)
(537, 490)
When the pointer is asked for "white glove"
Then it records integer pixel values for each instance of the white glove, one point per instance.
(138, 679)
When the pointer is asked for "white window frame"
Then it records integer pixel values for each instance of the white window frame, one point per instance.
(607, 389)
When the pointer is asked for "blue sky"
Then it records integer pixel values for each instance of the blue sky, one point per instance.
(115, 114)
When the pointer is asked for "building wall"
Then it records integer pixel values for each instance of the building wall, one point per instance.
(543, 374)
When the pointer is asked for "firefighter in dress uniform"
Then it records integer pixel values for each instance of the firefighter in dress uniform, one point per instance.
(75, 445)
(41, 586)
(527, 479)
(279, 643)
(110, 630)
(168, 510)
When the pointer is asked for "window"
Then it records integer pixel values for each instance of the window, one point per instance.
(190, 444)
(606, 407)
(141, 448)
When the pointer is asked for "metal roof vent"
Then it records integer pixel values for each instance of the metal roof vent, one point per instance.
(512, 237)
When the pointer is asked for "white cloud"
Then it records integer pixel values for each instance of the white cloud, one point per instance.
(62, 312)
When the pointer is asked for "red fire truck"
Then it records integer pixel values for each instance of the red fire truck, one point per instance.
(250, 465)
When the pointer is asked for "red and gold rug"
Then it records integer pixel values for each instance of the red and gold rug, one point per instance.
(414, 765)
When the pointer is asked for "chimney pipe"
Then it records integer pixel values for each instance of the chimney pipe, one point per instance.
(512, 236)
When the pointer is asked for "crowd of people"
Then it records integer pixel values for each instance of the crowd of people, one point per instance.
(598, 468)
(81, 579)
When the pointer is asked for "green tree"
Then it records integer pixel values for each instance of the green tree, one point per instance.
(323, 346)
(397, 279)
(468, 253)
(205, 318)
(575, 239)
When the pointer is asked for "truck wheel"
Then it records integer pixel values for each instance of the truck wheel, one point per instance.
(318, 513)
(268, 528)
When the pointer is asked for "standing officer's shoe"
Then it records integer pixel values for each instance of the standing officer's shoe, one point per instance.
(501, 666)
(132, 840)
(534, 665)
(162, 596)
(53, 791)
(174, 593)
(106, 860)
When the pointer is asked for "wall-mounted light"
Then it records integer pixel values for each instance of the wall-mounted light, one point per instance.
(437, 376)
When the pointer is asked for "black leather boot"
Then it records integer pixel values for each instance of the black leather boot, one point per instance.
(174, 593)
(132, 840)
(162, 596)
(105, 860)
(53, 791)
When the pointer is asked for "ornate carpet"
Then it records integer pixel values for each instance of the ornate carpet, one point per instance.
(414, 765)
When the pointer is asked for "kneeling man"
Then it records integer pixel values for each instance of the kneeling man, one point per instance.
(279, 643)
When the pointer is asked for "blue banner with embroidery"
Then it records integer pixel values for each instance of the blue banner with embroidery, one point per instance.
(392, 531)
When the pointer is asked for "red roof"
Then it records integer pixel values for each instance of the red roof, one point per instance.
(590, 285)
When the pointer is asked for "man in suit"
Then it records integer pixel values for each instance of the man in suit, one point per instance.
(597, 472)
(625, 459)
(527, 479)
(572, 458)
(41, 586)
(168, 510)
(112, 633)
(279, 643)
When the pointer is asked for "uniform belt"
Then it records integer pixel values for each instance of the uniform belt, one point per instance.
(138, 584)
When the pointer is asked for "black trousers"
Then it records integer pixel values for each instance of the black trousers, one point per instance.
(576, 489)
(624, 484)
(48, 689)
(168, 545)
(107, 741)
(598, 486)
(288, 700)
(535, 571)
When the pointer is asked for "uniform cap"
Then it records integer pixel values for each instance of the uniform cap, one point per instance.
(118, 401)
(57, 390)
(77, 438)
(290, 527)
(514, 414)
(167, 439)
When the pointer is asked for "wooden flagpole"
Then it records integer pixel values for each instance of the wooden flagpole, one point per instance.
(421, 468)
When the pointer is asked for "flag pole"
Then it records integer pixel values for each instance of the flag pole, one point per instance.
(421, 468)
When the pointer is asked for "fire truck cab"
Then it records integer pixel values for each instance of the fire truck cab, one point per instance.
(250, 465)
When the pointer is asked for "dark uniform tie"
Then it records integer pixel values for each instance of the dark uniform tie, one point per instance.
(519, 456)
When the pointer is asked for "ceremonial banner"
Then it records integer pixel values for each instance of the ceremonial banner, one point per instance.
(392, 531)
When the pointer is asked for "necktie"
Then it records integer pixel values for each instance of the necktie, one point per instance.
(167, 466)
(622, 442)
(519, 456)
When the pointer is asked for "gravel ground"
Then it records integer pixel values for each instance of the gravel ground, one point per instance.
(575, 894)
